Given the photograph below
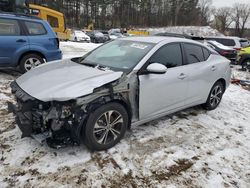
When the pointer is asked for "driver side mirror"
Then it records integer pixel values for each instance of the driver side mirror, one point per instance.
(156, 68)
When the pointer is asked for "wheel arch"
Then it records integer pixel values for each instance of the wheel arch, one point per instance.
(31, 52)
(92, 106)
(223, 81)
(117, 98)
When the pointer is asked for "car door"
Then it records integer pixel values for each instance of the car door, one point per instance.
(13, 41)
(200, 71)
(160, 93)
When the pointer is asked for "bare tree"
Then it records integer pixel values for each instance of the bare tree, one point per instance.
(205, 11)
(241, 16)
(223, 18)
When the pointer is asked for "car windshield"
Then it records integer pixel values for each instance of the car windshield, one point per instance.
(117, 34)
(78, 32)
(118, 55)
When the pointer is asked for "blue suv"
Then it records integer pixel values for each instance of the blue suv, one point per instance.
(26, 42)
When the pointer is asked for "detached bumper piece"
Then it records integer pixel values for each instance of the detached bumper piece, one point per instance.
(59, 124)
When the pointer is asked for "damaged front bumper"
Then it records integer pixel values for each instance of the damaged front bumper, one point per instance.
(57, 123)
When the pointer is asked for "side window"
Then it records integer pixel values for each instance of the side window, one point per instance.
(194, 53)
(35, 28)
(169, 55)
(206, 53)
(53, 21)
(228, 42)
(9, 27)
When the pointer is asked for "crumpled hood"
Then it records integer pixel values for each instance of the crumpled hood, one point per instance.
(64, 80)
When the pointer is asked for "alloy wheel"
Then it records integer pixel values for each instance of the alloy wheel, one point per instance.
(31, 63)
(216, 96)
(108, 127)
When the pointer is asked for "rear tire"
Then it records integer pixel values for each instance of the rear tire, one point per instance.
(215, 96)
(105, 127)
(29, 62)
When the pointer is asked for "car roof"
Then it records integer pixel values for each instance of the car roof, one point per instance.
(158, 39)
(223, 37)
(19, 16)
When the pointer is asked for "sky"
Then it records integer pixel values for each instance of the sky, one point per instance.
(222, 3)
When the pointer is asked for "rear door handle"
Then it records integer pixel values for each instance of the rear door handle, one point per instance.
(182, 76)
(213, 68)
(21, 40)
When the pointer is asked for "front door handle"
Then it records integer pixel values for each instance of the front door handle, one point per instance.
(213, 68)
(21, 40)
(182, 76)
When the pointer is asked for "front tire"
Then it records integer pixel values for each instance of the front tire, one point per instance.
(29, 62)
(215, 96)
(105, 127)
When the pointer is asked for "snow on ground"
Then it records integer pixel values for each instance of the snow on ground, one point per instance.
(190, 30)
(76, 49)
(243, 75)
(192, 148)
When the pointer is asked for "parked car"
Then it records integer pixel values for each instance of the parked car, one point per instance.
(167, 34)
(96, 98)
(79, 36)
(244, 58)
(115, 30)
(192, 37)
(106, 34)
(97, 37)
(26, 42)
(225, 51)
(114, 36)
(232, 42)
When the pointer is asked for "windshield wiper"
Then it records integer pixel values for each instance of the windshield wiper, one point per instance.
(100, 67)
(103, 67)
(88, 64)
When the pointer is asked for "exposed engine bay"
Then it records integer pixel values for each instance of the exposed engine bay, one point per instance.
(61, 123)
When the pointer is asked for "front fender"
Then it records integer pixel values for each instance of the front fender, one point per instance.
(19, 54)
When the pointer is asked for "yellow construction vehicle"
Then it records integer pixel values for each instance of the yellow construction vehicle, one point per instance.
(138, 32)
(54, 18)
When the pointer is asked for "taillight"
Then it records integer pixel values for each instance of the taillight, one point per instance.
(56, 42)
(238, 49)
(224, 52)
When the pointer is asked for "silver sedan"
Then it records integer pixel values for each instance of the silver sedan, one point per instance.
(130, 81)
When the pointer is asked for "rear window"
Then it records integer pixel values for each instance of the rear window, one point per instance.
(35, 28)
(53, 21)
(206, 53)
(9, 27)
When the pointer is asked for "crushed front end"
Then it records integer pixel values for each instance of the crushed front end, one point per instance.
(59, 123)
